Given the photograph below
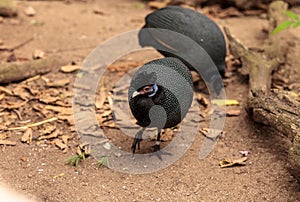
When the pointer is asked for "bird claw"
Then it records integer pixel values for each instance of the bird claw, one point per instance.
(157, 152)
(156, 147)
(137, 141)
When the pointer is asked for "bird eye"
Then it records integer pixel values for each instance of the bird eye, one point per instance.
(147, 88)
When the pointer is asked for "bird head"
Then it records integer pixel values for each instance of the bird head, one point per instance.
(144, 84)
(148, 90)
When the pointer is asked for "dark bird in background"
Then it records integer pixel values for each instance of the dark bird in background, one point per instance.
(189, 23)
(160, 96)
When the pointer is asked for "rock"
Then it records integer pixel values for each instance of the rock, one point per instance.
(29, 11)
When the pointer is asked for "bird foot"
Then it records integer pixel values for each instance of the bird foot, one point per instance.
(157, 152)
(156, 147)
(137, 140)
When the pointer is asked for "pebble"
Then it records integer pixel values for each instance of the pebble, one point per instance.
(107, 146)
(29, 11)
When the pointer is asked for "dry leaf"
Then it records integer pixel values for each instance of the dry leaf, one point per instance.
(31, 79)
(8, 142)
(48, 128)
(167, 135)
(2, 96)
(110, 99)
(253, 12)
(5, 90)
(27, 136)
(229, 163)
(196, 77)
(58, 83)
(245, 152)
(2, 127)
(40, 108)
(224, 102)
(23, 158)
(67, 102)
(233, 112)
(84, 148)
(202, 100)
(230, 12)
(45, 79)
(68, 118)
(157, 5)
(60, 144)
(59, 175)
(70, 68)
(21, 92)
(4, 136)
(13, 105)
(102, 95)
(98, 11)
(106, 113)
(38, 54)
(109, 123)
(60, 110)
(50, 136)
(211, 133)
(65, 138)
(48, 99)
(99, 118)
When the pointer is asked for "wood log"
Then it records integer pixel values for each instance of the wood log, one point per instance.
(8, 9)
(278, 109)
(17, 71)
(240, 4)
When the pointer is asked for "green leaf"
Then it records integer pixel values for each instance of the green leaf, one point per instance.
(296, 24)
(73, 160)
(103, 162)
(139, 5)
(282, 26)
(292, 15)
(227, 102)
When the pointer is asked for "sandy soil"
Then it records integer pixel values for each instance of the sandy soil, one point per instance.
(74, 30)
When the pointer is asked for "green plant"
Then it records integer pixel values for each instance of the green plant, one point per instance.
(103, 162)
(293, 22)
(74, 160)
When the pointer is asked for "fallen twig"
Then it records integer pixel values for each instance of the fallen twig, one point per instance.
(17, 46)
(34, 124)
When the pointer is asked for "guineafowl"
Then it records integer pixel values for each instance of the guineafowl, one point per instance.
(160, 96)
(191, 24)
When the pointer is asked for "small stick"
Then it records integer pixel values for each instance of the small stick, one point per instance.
(18, 114)
(17, 46)
(33, 124)
(69, 49)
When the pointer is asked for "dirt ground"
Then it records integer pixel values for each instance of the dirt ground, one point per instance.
(72, 30)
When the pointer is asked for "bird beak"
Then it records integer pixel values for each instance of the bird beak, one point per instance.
(135, 93)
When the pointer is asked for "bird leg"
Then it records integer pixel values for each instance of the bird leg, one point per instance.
(137, 140)
(157, 143)
(157, 151)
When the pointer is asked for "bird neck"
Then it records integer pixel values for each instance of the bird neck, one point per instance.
(155, 89)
